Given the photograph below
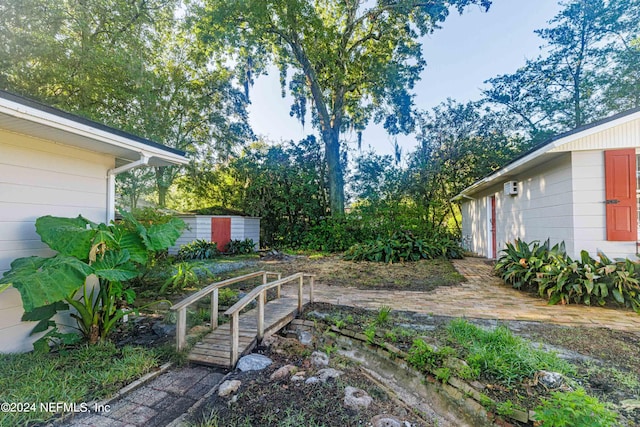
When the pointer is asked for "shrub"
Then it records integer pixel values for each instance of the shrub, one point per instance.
(404, 246)
(574, 408)
(198, 249)
(334, 234)
(561, 279)
(237, 247)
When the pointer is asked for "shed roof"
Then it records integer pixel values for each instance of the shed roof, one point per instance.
(27, 116)
(542, 152)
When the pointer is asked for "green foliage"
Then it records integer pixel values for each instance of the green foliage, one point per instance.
(184, 277)
(423, 357)
(575, 408)
(334, 234)
(564, 280)
(383, 316)
(500, 355)
(370, 333)
(198, 249)
(404, 246)
(239, 247)
(442, 374)
(114, 253)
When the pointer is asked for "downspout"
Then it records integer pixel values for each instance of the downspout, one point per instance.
(111, 183)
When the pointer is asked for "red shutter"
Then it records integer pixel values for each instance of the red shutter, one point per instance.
(620, 185)
(221, 232)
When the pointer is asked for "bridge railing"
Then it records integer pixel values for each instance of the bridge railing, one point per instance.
(181, 307)
(260, 294)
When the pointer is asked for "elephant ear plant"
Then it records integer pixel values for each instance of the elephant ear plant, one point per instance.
(113, 254)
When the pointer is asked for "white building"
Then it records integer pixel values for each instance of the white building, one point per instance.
(55, 163)
(580, 187)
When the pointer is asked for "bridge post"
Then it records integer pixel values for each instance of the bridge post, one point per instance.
(181, 327)
(235, 335)
(311, 283)
(214, 309)
(261, 316)
(300, 282)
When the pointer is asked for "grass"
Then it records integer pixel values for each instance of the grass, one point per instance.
(500, 355)
(77, 375)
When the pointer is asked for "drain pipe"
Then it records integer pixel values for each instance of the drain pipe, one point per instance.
(111, 183)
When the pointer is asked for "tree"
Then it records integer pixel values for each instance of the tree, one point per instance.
(351, 60)
(125, 63)
(588, 72)
(459, 144)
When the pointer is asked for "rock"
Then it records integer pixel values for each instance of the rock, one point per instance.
(630, 405)
(298, 376)
(455, 364)
(228, 387)
(282, 372)
(269, 341)
(550, 380)
(319, 359)
(161, 329)
(356, 398)
(328, 373)
(317, 315)
(385, 420)
(253, 362)
(305, 337)
(312, 380)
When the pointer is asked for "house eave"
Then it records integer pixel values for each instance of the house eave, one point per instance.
(23, 116)
(547, 150)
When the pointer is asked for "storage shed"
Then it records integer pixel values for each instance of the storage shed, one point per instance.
(218, 228)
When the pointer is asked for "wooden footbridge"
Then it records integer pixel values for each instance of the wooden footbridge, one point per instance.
(228, 341)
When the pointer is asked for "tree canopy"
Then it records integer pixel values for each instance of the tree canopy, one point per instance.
(351, 60)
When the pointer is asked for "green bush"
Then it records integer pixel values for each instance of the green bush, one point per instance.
(334, 234)
(404, 246)
(574, 408)
(561, 279)
(237, 247)
(198, 249)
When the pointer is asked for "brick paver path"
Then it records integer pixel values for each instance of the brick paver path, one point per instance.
(482, 296)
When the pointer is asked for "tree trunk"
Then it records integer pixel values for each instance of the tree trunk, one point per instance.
(336, 176)
(162, 196)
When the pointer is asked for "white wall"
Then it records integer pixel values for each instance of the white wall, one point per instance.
(40, 178)
(542, 209)
(198, 228)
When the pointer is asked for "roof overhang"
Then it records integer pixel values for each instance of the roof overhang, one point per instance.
(30, 118)
(546, 152)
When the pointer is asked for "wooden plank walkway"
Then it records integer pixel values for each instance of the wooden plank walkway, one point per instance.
(215, 348)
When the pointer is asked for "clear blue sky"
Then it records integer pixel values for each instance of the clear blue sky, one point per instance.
(468, 50)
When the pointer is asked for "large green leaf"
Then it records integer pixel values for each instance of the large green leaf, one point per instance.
(68, 236)
(131, 241)
(43, 281)
(163, 236)
(115, 266)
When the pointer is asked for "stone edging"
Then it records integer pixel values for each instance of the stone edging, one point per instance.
(455, 390)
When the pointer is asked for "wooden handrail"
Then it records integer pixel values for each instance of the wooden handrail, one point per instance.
(260, 292)
(181, 307)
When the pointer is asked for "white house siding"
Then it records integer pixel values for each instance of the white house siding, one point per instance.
(198, 228)
(237, 228)
(589, 214)
(252, 230)
(474, 221)
(38, 178)
(542, 209)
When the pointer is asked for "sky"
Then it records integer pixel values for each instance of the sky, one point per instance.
(467, 50)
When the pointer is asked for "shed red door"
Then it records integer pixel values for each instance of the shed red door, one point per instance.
(620, 191)
(221, 231)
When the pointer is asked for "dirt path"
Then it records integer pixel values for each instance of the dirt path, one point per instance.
(483, 296)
